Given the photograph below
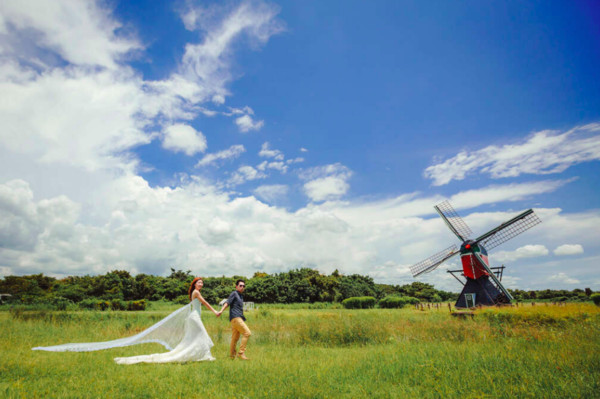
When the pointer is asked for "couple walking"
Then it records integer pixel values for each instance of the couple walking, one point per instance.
(182, 332)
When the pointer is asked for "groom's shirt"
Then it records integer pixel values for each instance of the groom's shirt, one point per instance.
(236, 306)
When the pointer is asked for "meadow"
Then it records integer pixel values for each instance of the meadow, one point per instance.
(537, 351)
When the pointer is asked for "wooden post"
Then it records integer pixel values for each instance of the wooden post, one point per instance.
(449, 307)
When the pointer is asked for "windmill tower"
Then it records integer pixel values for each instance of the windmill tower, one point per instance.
(482, 286)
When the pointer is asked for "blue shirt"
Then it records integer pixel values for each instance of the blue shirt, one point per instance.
(236, 305)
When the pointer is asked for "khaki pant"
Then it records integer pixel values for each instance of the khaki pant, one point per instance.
(239, 327)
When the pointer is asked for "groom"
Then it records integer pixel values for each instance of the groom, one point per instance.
(237, 319)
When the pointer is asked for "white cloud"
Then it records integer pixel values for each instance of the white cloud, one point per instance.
(568, 249)
(243, 174)
(81, 32)
(302, 149)
(267, 152)
(295, 160)
(272, 192)
(147, 229)
(183, 138)
(208, 63)
(231, 153)
(277, 165)
(239, 111)
(563, 279)
(527, 251)
(506, 192)
(327, 182)
(91, 118)
(544, 152)
(246, 123)
(84, 119)
(326, 188)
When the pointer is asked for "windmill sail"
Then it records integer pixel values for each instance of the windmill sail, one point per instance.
(454, 222)
(508, 230)
(431, 263)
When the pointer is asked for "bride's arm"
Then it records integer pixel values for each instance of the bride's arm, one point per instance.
(203, 301)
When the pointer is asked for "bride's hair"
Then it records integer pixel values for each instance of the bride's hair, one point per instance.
(193, 286)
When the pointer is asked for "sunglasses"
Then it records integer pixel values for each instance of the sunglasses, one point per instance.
(241, 285)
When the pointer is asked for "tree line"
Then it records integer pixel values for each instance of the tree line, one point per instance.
(294, 286)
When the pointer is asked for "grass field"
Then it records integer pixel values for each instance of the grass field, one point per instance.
(538, 352)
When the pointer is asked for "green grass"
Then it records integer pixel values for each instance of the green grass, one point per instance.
(537, 352)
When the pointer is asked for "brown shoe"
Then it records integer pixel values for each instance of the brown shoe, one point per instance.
(243, 357)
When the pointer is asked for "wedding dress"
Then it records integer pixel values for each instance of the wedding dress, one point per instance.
(182, 332)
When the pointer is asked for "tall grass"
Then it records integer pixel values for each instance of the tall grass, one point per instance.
(541, 351)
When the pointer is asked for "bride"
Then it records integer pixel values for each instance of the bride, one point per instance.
(182, 332)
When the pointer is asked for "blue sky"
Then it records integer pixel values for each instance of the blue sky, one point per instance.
(234, 137)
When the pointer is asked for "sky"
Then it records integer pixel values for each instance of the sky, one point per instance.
(230, 137)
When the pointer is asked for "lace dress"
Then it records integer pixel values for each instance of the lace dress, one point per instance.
(182, 332)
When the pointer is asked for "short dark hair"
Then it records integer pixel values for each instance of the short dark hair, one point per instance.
(238, 282)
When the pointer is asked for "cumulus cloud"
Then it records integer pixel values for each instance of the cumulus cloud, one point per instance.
(277, 165)
(545, 152)
(246, 123)
(271, 192)
(326, 188)
(527, 251)
(294, 160)
(231, 153)
(267, 152)
(93, 117)
(183, 138)
(146, 229)
(568, 249)
(49, 118)
(327, 182)
(244, 174)
(81, 32)
(563, 278)
(239, 111)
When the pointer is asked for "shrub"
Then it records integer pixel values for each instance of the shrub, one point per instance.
(88, 303)
(392, 302)
(411, 300)
(136, 305)
(561, 299)
(117, 304)
(359, 302)
(60, 303)
(596, 298)
(94, 304)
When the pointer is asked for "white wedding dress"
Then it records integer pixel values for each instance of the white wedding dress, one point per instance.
(182, 332)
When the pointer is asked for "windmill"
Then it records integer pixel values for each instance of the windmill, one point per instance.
(482, 287)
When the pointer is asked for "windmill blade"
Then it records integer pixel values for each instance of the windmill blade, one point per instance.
(508, 230)
(454, 222)
(429, 264)
(493, 276)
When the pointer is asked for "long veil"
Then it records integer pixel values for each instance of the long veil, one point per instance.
(168, 332)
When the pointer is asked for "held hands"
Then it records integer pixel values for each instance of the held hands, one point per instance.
(218, 314)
